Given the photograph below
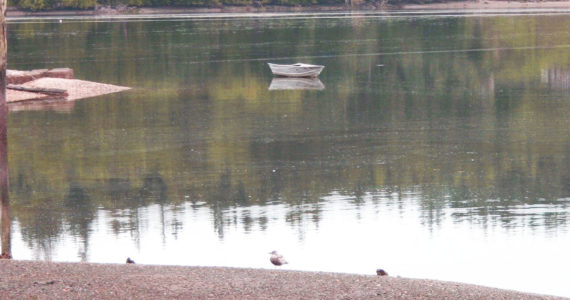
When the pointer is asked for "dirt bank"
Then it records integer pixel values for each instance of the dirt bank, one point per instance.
(42, 280)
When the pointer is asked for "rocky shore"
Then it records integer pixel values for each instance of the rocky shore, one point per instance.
(45, 280)
(55, 84)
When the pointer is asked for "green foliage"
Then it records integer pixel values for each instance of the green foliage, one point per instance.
(81, 4)
(43, 5)
(33, 5)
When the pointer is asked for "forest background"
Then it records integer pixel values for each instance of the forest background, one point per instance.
(47, 5)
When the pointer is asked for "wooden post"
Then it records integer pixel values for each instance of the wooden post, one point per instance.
(4, 200)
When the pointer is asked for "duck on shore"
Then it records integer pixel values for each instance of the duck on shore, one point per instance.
(277, 259)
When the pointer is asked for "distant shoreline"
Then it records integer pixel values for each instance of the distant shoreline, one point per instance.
(453, 5)
(490, 5)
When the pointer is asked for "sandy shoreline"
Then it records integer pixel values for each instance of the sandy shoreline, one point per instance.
(44, 280)
(368, 7)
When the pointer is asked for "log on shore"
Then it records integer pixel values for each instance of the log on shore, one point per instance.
(48, 91)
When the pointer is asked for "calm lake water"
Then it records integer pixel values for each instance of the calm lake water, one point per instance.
(437, 146)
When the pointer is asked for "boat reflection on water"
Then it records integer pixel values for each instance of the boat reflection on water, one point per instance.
(285, 83)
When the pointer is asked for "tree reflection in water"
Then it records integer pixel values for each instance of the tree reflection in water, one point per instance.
(464, 126)
(6, 224)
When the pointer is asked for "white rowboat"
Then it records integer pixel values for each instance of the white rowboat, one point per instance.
(296, 70)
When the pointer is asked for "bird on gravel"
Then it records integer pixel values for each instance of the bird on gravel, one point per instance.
(130, 261)
(277, 259)
(381, 272)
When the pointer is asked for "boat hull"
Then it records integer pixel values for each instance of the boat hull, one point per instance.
(296, 70)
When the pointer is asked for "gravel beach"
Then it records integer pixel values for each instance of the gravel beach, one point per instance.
(46, 280)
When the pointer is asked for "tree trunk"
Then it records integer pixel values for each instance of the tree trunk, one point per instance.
(4, 199)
